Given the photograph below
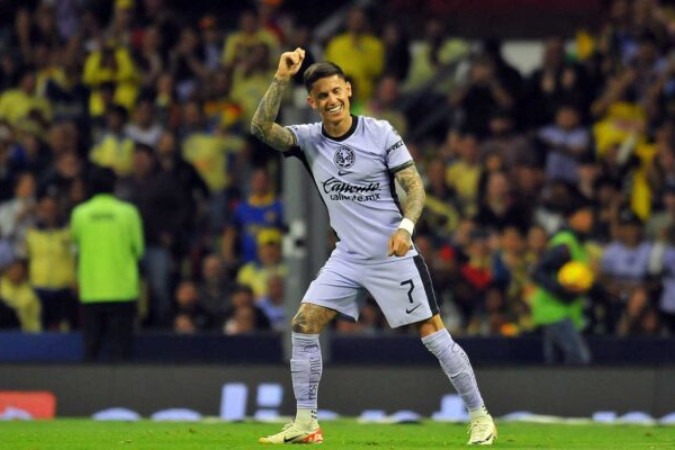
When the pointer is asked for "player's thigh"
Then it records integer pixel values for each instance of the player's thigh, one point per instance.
(337, 287)
(402, 289)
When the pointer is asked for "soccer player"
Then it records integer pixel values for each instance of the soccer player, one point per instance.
(354, 161)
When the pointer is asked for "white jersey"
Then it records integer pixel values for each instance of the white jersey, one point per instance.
(355, 177)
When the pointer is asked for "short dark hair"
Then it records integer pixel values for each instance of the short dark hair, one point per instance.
(320, 70)
(102, 181)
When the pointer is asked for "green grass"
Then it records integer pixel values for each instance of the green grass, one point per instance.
(73, 434)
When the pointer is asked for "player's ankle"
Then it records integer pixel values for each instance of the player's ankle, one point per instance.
(306, 419)
(478, 413)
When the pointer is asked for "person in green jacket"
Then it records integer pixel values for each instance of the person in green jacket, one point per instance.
(108, 234)
(558, 310)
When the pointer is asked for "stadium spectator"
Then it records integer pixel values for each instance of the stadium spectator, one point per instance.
(625, 267)
(433, 54)
(143, 127)
(481, 93)
(556, 81)
(23, 102)
(239, 44)
(215, 287)
(661, 225)
(108, 234)
(18, 214)
(248, 79)
(557, 309)
(17, 294)
(244, 316)
(463, 174)
(149, 58)
(111, 67)
(397, 49)
(269, 263)
(212, 154)
(359, 52)
(261, 210)
(188, 305)
(565, 143)
(187, 64)
(164, 207)
(51, 267)
(384, 104)
(114, 149)
(498, 206)
(272, 303)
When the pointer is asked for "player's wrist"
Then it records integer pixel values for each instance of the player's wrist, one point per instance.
(282, 78)
(407, 225)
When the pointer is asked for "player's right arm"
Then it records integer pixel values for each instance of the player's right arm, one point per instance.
(263, 125)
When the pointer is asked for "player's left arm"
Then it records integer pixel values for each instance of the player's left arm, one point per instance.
(410, 181)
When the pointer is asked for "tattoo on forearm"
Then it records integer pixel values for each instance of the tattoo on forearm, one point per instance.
(311, 319)
(411, 182)
(262, 124)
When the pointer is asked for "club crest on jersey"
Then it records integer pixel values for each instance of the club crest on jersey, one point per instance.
(344, 157)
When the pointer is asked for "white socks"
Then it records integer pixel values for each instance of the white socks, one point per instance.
(306, 370)
(457, 367)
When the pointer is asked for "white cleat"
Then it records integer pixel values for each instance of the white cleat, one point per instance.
(482, 430)
(292, 434)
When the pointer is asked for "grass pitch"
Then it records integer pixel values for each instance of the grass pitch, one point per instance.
(74, 434)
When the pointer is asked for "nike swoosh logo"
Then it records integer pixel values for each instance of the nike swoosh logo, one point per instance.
(289, 439)
(408, 311)
(342, 173)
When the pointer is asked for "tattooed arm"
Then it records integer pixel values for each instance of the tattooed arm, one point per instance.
(412, 185)
(262, 125)
(400, 241)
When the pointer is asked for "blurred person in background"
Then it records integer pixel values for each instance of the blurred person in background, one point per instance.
(482, 93)
(143, 126)
(384, 104)
(249, 79)
(19, 213)
(359, 52)
(661, 225)
(244, 316)
(262, 209)
(17, 294)
(23, 101)
(187, 64)
(110, 67)
(51, 267)
(108, 234)
(149, 58)
(272, 303)
(213, 155)
(557, 80)
(499, 207)
(463, 174)
(564, 142)
(625, 267)
(556, 309)
(249, 34)
(114, 149)
(396, 50)
(188, 304)
(269, 263)
(215, 287)
(164, 207)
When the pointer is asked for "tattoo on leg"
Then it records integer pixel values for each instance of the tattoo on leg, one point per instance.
(311, 319)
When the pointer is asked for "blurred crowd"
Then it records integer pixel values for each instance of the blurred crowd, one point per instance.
(165, 101)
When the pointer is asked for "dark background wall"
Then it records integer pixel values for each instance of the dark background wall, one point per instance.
(348, 390)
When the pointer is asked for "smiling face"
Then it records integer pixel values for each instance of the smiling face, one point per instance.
(329, 96)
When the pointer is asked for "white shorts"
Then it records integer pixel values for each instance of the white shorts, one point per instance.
(401, 287)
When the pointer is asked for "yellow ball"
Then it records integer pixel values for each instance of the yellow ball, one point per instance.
(576, 275)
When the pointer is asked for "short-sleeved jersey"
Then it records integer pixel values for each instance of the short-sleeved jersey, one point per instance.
(355, 178)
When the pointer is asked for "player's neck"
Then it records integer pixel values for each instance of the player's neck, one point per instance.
(338, 128)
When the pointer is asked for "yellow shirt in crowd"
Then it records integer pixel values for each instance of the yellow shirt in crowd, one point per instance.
(51, 264)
